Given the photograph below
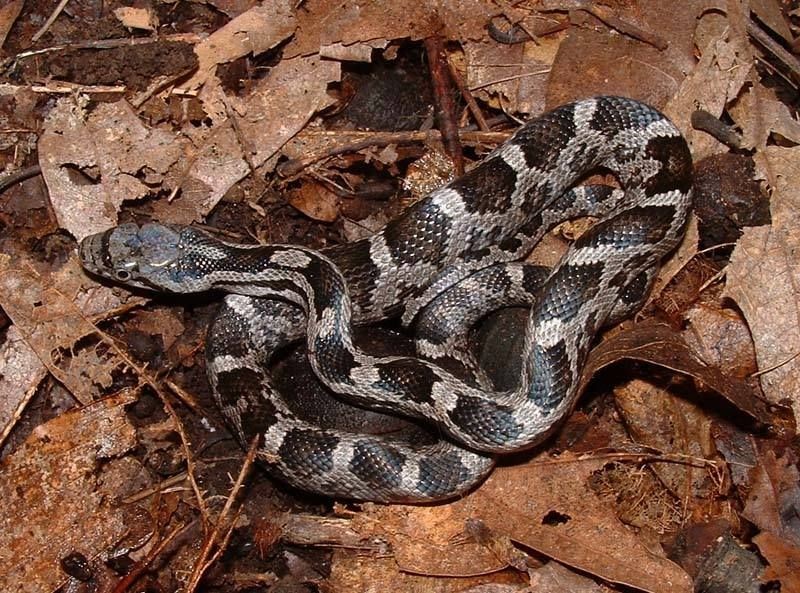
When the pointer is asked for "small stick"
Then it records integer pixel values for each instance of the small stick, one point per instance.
(774, 48)
(465, 92)
(607, 16)
(50, 20)
(368, 139)
(15, 177)
(206, 557)
(704, 121)
(434, 48)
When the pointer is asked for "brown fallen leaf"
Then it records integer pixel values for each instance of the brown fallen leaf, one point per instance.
(137, 18)
(57, 498)
(658, 344)
(784, 561)
(763, 276)
(21, 371)
(8, 15)
(91, 162)
(51, 321)
(774, 496)
(656, 418)
(725, 66)
(563, 520)
(315, 201)
(252, 32)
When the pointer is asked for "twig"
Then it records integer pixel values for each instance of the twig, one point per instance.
(150, 382)
(773, 47)
(50, 20)
(15, 177)
(68, 88)
(775, 366)
(129, 579)
(471, 103)
(187, 452)
(607, 16)
(206, 558)
(704, 121)
(370, 139)
(517, 23)
(509, 78)
(443, 99)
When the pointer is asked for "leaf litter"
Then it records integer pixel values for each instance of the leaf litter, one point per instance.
(680, 451)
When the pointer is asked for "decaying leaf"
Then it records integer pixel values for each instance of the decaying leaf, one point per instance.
(564, 521)
(53, 485)
(763, 277)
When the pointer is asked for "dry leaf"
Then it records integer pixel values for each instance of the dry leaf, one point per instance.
(315, 201)
(564, 521)
(775, 496)
(8, 15)
(784, 562)
(21, 371)
(725, 65)
(54, 499)
(51, 323)
(137, 18)
(658, 344)
(252, 32)
(91, 162)
(763, 276)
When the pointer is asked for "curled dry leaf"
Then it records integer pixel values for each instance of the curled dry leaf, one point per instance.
(315, 201)
(658, 344)
(255, 31)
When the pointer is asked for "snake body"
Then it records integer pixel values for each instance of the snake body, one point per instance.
(460, 237)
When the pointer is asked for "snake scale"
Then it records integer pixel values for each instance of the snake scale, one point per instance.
(438, 256)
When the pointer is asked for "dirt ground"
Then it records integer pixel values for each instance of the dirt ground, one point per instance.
(314, 123)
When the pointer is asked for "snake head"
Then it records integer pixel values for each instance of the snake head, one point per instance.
(151, 256)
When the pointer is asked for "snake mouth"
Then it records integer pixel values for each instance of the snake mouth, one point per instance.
(94, 255)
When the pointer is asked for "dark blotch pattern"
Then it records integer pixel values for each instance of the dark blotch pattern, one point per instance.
(533, 277)
(334, 360)
(407, 378)
(246, 384)
(359, 270)
(676, 165)
(484, 420)
(422, 238)
(308, 449)
(377, 464)
(488, 187)
(635, 226)
(441, 475)
(568, 290)
(551, 377)
(613, 114)
(634, 292)
(329, 288)
(542, 140)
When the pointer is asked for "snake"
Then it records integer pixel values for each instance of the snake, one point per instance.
(440, 266)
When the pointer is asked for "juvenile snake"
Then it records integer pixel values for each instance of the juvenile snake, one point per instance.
(438, 254)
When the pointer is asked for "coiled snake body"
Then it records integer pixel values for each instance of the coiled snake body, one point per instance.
(437, 254)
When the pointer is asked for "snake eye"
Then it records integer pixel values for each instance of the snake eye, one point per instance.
(122, 275)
